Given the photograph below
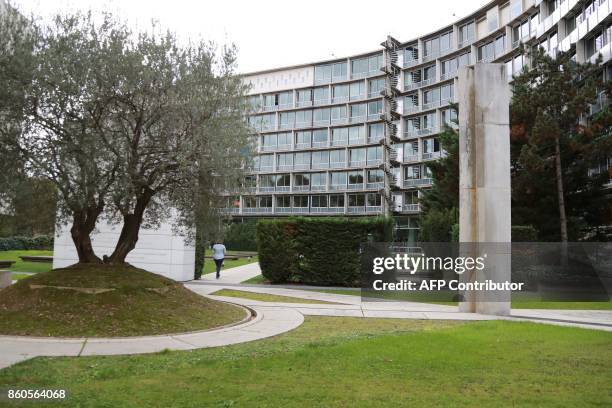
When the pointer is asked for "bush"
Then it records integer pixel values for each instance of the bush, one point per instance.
(320, 251)
(437, 225)
(524, 233)
(26, 243)
(241, 236)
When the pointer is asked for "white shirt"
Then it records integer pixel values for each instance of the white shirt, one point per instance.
(218, 251)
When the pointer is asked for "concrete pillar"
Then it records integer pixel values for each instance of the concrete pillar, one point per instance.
(484, 181)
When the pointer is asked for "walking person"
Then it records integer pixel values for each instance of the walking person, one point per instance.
(219, 256)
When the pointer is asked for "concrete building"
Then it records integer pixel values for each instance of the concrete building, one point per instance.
(351, 135)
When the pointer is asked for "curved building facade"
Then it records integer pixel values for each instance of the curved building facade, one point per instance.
(351, 135)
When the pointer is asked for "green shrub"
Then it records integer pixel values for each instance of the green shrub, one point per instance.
(437, 225)
(524, 233)
(320, 251)
(241, 236)
(26, 243)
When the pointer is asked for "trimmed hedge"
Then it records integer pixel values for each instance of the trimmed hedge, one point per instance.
(524, 233)
(319, 251)
(25, 243)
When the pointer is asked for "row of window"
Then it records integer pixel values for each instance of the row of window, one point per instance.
(430, 96)
(362, 156)
(321, 137)
(338, 178)
(317, 96)
(314, 201)
(318, 117)
(598, 41)
(441, 43)
(360, 67)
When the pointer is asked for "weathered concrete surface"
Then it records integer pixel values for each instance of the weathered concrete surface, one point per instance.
(5, 279)
(484, 179)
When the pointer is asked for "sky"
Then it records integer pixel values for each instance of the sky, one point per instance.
(278, 33)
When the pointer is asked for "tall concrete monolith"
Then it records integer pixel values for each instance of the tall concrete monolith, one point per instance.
(484, 182)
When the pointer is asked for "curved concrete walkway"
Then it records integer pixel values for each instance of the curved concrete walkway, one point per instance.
(266, 323)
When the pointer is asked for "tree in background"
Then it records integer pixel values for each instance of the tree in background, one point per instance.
(554, 147)
(440, 204)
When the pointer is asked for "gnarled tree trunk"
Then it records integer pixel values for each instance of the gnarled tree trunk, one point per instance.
(131, 227)
(83, 224)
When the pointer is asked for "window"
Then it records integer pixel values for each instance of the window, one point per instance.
(412, 125)
(375, 176)
(268, 142)
(359, 67)
(339, 136)
(283, 180)
(358, 110)
(284, 140)
(446, 92)
(303, 118)
(300, 201)
(323, 73)
(373, 200)
(339, 114)
(374, 108)
(319, 138)
(429, 73)
(411, 150)
(516, 7)
(338, 179)
(340, 93)
(318, 180)
(283, 201)
(448, 67)
(318, 201)
(429, 121)
(301, 180)
(411, 53)
(431, 96)
(500, 45)
(446, 41)
(269, 101)
(466, 33)
(464, 59)
(357, 90)
(287, 120)
(284, 160)
(285, 99)
(339, 71)
(320, 159)
(321, 116)
(356, 135)
(570, 24)
(302, 139)
(304, 97)
(492, 20)
(431, 145)
(355, 178)
(266, 162)
(376, 86)
(375, 62)
(302, 160)
(358, 157)
(449, 117)
(254, 102)
(321, 95)
(375, 155)
(267, 182)
(356, 200)
(431, 47)
(336, 200)
(412, 172)
(376, 132)
(265, 202)
(337, 158)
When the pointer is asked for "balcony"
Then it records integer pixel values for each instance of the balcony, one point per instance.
(355, 186)
(357, 119)
(267, 189)
(337, 187)
(283, 189)
(420, 84)
(340, 99)
(320, 165)
(301, 104)
(305, 145)
(284, 147)
(410, 109)
(298, 189)
(448, 75)
(364, 209)
(326, 210)
(432, 155)
(282, 167)
(301, 166)
(337, 165)
(431, 105)
(375, 186)
(266, 169)
(427, 131)
(257, 210)
(320, 144)
(410, 62)
(411, 158)
(360, 163)
(318, 188)
(417, 182)
(411, 208)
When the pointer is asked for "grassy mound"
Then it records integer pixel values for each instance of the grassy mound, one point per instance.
(106, 301)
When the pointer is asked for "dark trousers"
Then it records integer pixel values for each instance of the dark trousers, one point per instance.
(218, 262)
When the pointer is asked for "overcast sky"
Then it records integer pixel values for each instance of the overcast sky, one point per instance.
(276, 33)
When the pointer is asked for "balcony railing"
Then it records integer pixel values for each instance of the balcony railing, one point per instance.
(357, 119)
(320, 144)
(420, 84)
(355, 186)
(318, 188)
(283, 189)
(374, 186)
(411, 208)
(417, 182)
(301, 104)
(266, 168)
(431, 155)
(301, 166)
(257, 210)
(302, 145)
(360, 163)
(411, 158)
(326, 210)
(321, 165)
(337, 165)
(337, 187)
(301, 188)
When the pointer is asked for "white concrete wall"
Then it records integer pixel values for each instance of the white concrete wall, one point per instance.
(281, 80)
(158, 251)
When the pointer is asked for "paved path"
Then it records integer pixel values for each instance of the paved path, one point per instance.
(273, 318)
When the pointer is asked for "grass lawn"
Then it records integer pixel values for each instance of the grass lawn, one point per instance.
(209, 264)
(20, 266)
(257, 280)
(135, 303)
(517, 302)
(265, 297)
(349, 362)
(19, 276)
